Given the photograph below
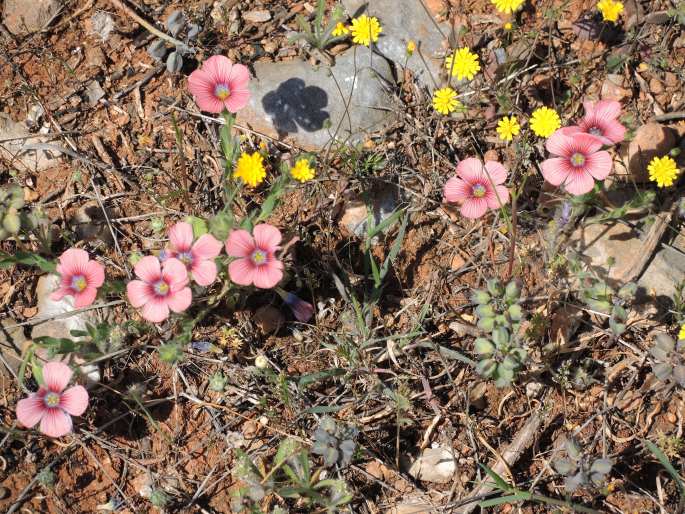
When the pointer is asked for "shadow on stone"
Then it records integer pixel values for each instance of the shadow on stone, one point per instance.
(293, 105)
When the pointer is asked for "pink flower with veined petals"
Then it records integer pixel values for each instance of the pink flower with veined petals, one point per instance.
(219, 84)
(601, 121)
(477, 187)
(52, 406)
(198, 257)
(80, 277)
(256, 263)
(162, 288)
(579, 161)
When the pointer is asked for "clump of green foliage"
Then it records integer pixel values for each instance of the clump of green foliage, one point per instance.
(669, 360)
(581, 470)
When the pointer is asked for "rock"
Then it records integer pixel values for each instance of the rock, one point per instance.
(12, 341)
(651, 140)
(666, 270)
(268, 319)
(26, 16)
(354, 219)
(95, 57)
(613, 88)
(257, 16)
(15, 152)
(435, 465)
(308, 105)
(62, 327)
(655, 86)
(94, 92)
(403, 22)
(411, 506)
(89, 223)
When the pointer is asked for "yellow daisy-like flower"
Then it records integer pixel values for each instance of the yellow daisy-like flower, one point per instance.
(411, 47)
(507, 6)
(508, 127)
(340, 29)
(544, 121)
(610, 9)
(508, 26)
(365, 30)
(250, 169)
(681, 334)
(462, 64)
(302, 170)
(445, 100)
(663, 171)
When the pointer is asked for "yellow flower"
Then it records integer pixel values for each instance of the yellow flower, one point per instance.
(365, 30)
(545, 121)
(508, 26)
(445, 100)
(340, 30)
(302, 171)
(411, 47)
(663, 171)
(250, 169)
(507, 128)
(610, 9)
(462, 64)
(681, 334)
(507, 6)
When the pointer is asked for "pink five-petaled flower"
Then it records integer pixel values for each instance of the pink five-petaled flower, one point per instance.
(52, 406)
(477, 187)
(601, 121)
(162, 287)
(219, 84)
(578, 161)
(256, 263)
(198, 257)
(80, 277)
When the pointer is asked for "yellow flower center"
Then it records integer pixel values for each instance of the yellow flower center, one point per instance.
(578, 159)
(259, 257)
(161, 288)
(222, 92)
(79, 283)
(478, 191)
(51, 400)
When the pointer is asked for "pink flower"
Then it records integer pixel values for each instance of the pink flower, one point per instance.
(199, 257)
(219, 84)
(52, 406)
(578, 163)
(601, 121)
(80, 277)
(474, 190)
(256, 263)
(162, 287)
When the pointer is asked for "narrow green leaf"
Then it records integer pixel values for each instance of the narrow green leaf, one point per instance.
(311, 378)
(493, 502)
(499, 481)
(666, 464)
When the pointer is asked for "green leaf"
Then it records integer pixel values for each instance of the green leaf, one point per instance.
(373, 231)
(199, 225)
(27, 258)
(666, 464)
(323, 409)
(396, 247)
(286, 449)
(311, 378)
(448, 353)
(493, 502)
(499, 481)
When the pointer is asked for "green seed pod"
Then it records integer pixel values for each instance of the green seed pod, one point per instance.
(12, 223)
(480, 297)
(494, 287)
(483, 347)
(485, 311)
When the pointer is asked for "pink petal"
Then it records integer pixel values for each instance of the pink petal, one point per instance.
(95, 273)
(268, 275)
(606, 110)
(175, 273)
(239, 78)
(180, 300)
(206, 247)
(73, 262)
(219, 68)
(586, 143)
(148, 269)
(181, 236)
(614, 131)
(560, 143)
(201, 85)
(56, 376)
(30, 410)
(474, 208)
(240, 244)
(470, 169)
(496, 171)
(267, 237)
(579, 183)
(206, 101)
(599, 165)
(74, 400)
(456, 190)
(139, 293)
(85, 297)
(570, 130)
(555, 170)
(242, 271)
(60, 293)
(492, 199)
(204, 272)
(237, 100)
(155, 311)
(55, 423)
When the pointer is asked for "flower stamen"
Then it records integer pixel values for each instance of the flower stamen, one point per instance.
(161, 288)
(78, 283)
(221, 91)
(51, 400)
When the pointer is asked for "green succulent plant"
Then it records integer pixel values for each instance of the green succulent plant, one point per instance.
(334, 442)
(581, 470)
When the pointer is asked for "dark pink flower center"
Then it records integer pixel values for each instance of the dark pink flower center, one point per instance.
(185, 257)
(161, 288)
(478, 190)
(259, 257)
(577, 160)
(595, 131)
(51, 400)
(78, 283)
(222, 91)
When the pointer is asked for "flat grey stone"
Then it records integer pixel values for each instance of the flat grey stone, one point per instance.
(15, 151)
(434, 465)
(26, 16)
(12, 341)
(310, 105)
(402, 21)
